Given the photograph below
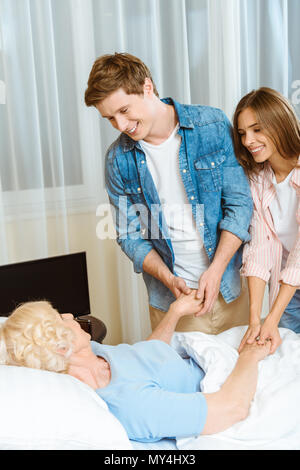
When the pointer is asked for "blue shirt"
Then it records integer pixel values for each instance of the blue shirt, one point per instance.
(153, 392)
(213, 180)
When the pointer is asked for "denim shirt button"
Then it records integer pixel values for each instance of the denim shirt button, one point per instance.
(139, 190)
(143, 161)
(212, 163)
(192, 198)
(209, 249)
(184, 170)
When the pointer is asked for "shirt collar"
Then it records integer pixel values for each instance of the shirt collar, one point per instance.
(183, 119)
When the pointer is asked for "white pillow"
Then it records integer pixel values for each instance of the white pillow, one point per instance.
(47, 410)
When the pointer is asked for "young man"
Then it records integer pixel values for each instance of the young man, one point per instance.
(183, 203)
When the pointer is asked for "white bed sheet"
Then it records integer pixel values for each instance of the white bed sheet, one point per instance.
(274, 418)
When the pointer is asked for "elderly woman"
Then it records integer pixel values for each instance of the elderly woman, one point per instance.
(153, 391)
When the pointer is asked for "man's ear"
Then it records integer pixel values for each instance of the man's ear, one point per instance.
(148, 87)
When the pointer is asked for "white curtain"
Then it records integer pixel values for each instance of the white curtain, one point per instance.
(52, 146)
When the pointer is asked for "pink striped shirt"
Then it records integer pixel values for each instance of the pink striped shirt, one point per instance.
(262, 256)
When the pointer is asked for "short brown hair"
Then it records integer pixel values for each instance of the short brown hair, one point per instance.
(113, 71)
(276, 118)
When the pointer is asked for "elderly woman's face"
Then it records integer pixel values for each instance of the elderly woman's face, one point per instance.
(81, 337)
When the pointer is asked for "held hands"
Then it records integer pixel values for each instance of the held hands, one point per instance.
(178, 286)
(250, 336)
(255, 351)
(207, 293)
(269, 330)
(259, 334)
(186, 304)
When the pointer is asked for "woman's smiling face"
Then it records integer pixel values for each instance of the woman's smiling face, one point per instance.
(253, 138)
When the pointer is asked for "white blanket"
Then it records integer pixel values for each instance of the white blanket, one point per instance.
(274, 418)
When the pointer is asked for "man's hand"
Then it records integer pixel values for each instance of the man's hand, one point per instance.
(178, 286)
(208, 290)
(269, 331)
(155, 266)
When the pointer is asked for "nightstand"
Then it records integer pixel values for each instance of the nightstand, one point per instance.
(92, 325)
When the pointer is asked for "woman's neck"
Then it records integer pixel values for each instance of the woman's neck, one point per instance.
(282, 167)
(89, 368)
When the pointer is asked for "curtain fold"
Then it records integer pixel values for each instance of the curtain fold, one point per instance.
(52, 146)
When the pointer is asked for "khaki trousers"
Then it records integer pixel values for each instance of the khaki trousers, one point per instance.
(222, 317)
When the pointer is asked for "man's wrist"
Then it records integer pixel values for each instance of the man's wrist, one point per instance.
(167, 278)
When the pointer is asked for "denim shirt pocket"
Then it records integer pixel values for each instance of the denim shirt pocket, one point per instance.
(209, 171)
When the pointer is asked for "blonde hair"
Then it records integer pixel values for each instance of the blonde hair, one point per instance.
(32, 336)
(276, 118)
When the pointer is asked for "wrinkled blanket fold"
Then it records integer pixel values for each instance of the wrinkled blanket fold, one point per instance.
(274, 418)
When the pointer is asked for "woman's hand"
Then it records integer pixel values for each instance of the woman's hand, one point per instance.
(269, 331)
(250, 336)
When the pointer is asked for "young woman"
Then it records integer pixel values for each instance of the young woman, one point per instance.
(153, 391)
(267, 144)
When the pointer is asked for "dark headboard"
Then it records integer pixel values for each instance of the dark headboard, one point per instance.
(62, 280)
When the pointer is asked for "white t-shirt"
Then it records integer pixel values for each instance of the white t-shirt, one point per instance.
(283, 209)
(191, 259)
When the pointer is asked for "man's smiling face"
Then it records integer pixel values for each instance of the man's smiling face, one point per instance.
(131, 114)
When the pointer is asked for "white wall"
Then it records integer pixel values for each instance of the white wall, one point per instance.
(101, 262)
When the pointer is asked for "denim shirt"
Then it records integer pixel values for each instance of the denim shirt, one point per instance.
(213, 180)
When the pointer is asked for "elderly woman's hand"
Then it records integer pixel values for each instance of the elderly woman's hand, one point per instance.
(186, 304)
(256, 351)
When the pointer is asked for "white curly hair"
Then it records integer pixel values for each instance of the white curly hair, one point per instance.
(35, 336)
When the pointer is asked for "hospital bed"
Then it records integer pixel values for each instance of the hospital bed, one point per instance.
(46, 410)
